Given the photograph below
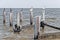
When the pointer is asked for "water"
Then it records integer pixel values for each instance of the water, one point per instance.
(52, 17)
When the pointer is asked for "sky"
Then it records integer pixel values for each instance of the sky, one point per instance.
(29, 3)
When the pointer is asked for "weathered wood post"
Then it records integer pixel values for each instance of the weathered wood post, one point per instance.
(11, 17)
(37, 27)
(31, 16)
(43, 11)
(18, 20)
(21, 16)
(11, 20)
(19, 27)
(4, 16)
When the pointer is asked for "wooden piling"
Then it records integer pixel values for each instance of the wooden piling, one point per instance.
(43, 11)
(11, 17)
(18, 26)
(4, 16)
(37, 27)
(18, 20)
(21, 16)
(31, 16)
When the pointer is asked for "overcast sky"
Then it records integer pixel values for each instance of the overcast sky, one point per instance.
(29, 3)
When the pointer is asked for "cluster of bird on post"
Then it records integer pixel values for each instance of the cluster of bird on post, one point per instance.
(18, 26)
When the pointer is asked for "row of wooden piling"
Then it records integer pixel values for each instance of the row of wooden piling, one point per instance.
(20, 19)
